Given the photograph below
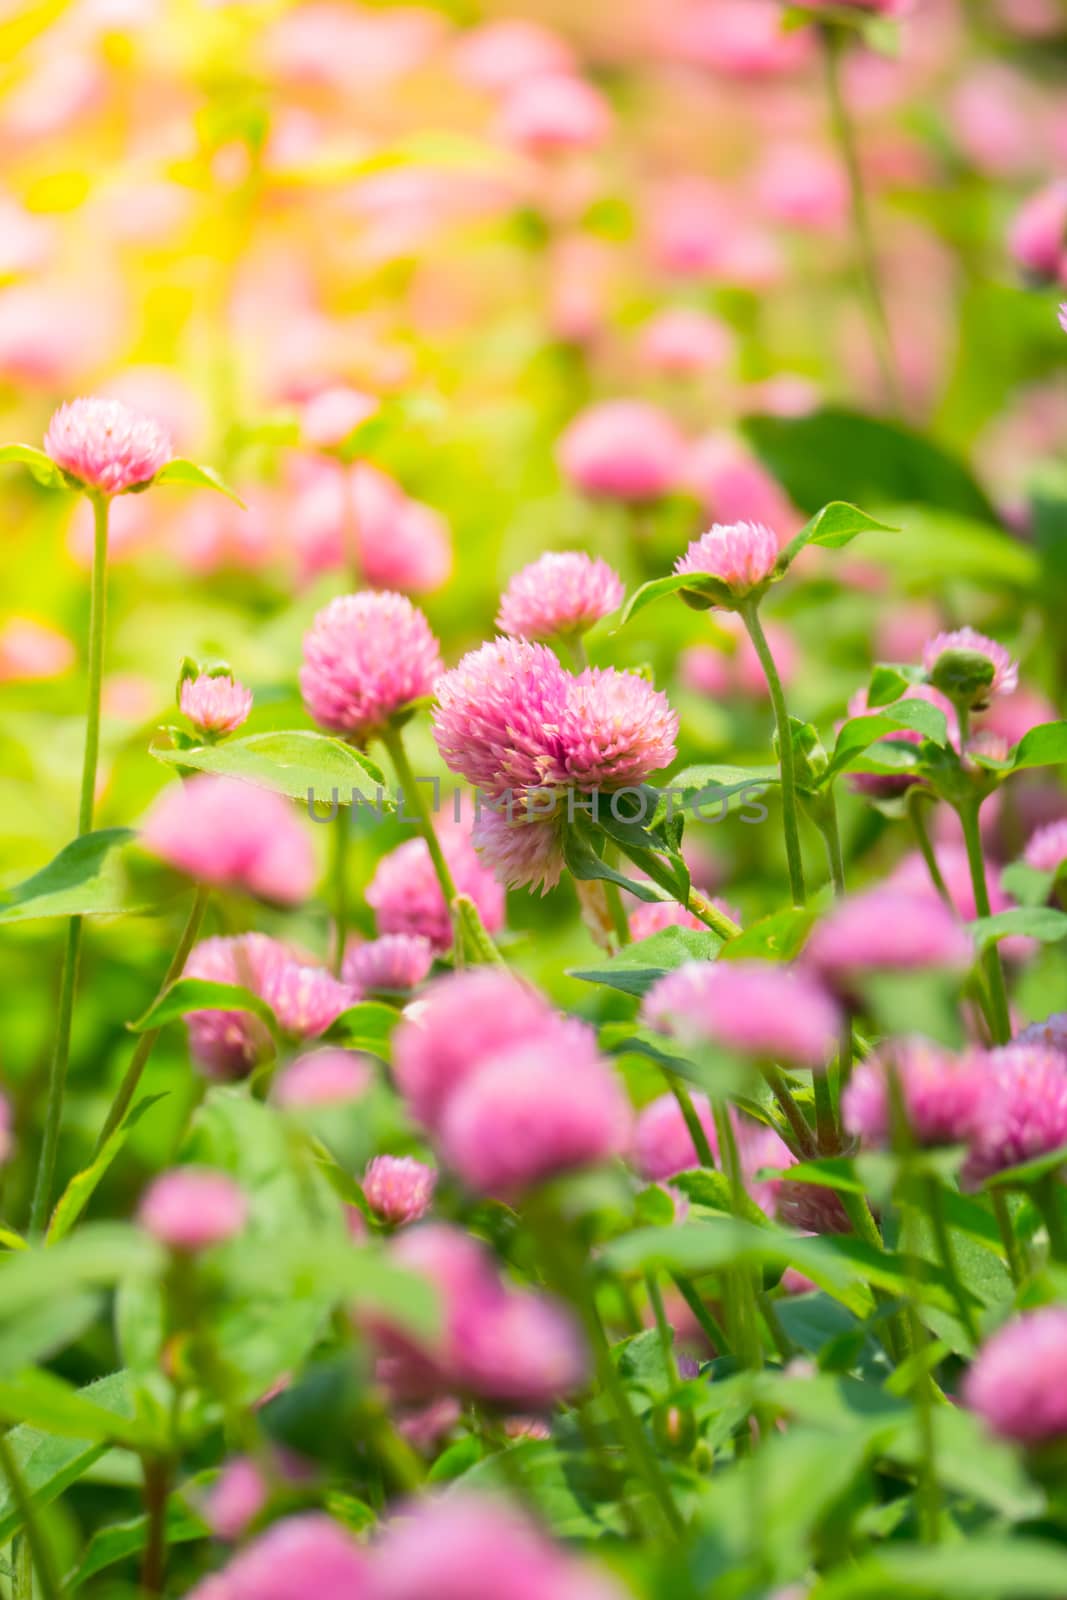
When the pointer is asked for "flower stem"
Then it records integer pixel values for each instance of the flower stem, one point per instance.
(1000, 1017)
(917, 798)
(339, 874)
(935, 1205)
(156, 1490)
(1046, 1199)
(863, 238)
(57, 1082)
(663, 1328)
(146, 1044)
(790, 813)
(410, 792)
(28, 1511)
(1007, 1235)
(711, 916)
(701, 1143)
(804, 1144)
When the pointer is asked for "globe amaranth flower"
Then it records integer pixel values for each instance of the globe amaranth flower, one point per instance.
(522, 850)
(549, 115)
(233, 835)
(614, 732)
(325, 1077)
(215, 703)
(564, 592)
(1038, 235)
(808, 1207)
(683, 340)
(940, 1093)
(1023, 1109)
(1046, 850)
(969, 668)
(1017, 1383)
(662, 1144)
(395, 961)
(623, 450)
(886, 930)
(498, 713)
(191, 1208)
(303, 1555)
(754, 1007)
(654, 915)
(912, 876)
(367, 659)
(405, 894)
(399, 1189)
(740, 556)
(105, 447)
(305, 1000)
(236, 1498)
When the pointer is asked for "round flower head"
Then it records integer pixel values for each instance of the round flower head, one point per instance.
(458, 1020)
(544, 1106)
(191, 1208)
(326, 1077)
(228, 1044)
(405, 894)
(682, 340)
(523, 851)
(886, 930)
(367, 658)
(950, 662)
(662, 1144)
(306, 1000)
(807, 1207)
(1038, 236)
(940, 1093)
(1018, 1381)
(754, 1007)
(740, 556)
(462, 1275)
(614, 732)
(518, 1349)
(399, 1189)
(563, 592)
(912, 876)
(331, 415)
(235, 1499)
(543, 116)
(215, 704)
(300, 1556)
(234, 835)
(105, 447)
(623, 450)
(396, 961)
(1023, 1110)
(1046, 850)
(497, 715)
(655, 915)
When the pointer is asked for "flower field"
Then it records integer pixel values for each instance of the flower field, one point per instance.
(533, 834)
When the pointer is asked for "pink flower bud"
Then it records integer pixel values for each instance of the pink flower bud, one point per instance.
(326, 1077)
(215, 704)
(233, 834)
(106, 447)
(399, 1189)
(366, 658)
(623, 450)
(192, 1208)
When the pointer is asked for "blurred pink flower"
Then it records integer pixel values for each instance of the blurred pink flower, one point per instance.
(652, 917)
(366, 658)
(330, 416)
(31, 650)
(1023, 1112)
(739, 38)
(399, 1189)
(1018, 1381)
(1046, 850)
(754, 1007)
(106, 447)
(228, 1044)
(545, 116)
(682, 340)
(191, 1208)
(886, 929)
(235, 1499)
(500, 54)
(803, 187)
(562, 592)
(299, 1556)
(306, 1000)
(406, 897)
(662, 1144)
(395, 961)
(622, 450)
(1052, 1033)
(324, 1077)
(1038, 235)
(941, 1093)
(229, 833)
(215, 704)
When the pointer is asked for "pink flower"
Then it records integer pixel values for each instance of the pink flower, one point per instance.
(497, 714)
(1023, 1112)
(1005, 670)
(234, 835)
(540, 1107)
(662, 1144)
(1018, 1382)
(519, 1349)
(192, 1208)
(106, 447)
(1046, 850)
(681, 341)
(523, 852)
(623, 450)
(733, 486)
(807, 1207)
(941, 1093)
(615, 731)
(406, 896)
(326, 1077)
(396, 961)
(652, 917)
(306, 1000)
(228, 1044)
(331, 415)
(458, 1020)
(754, 1007)
(912, 876)
(545, 116)
(741, 38)
(563, 592)
(299, 1556)
(803, 187)
(399, 1189)
(32, 650)
(366, 658)
(1051, 1033)
(1038, 234)
(741, 555)
(498, 55)
(235, 1499)
(215, 704)
(885, 929)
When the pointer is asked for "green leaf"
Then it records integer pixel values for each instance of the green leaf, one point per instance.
(700, 588)
(98, 1255)
(45, 1329)
(50, 1465)
(836, 525)
(187, 472)
(1027, 884)
(41, 1400)
(368, 1026)
(1033, 922)
(79, 1191)
(201, 994)
(779, 937)
(82, 880)
(295, 764)
(1016, 1568)
(121, 1540)
(713, 1189)
(584, 863)
(41, 466)
(473, 939)
(859, 733)
(1044, 746)
(1027, 1172)
(637, 966)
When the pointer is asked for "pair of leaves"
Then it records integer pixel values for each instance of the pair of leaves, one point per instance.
(46, 472)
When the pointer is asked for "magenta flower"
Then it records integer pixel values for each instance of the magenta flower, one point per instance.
(1023, 1110)
(399, 1189)
(808, 1207)
(754, 1007)
(367, 658)
(655, 915)
(1018, 1382)
(325, 1077)
(458, 1020)
(519, 1349)
(497, 715)
(912, 876)
(1039, 231)
(306, 1000)
(406, 896)
(662, 1144)
(563, 592)
(623, 450)
(395, 961)
(297, 1557)
(191, 1208)
(941, 1093)
(228, 1044)
(615, 731)
(1046, 850)
(233, 835)
(524, 852)
(235, 1499)
(544, 1106)
(215, 704)
(105, 447)
(681, 341)
(545, 116)
(741, 556)
(885, 929)
(938, 665)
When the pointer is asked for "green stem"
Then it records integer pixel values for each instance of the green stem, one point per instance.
(1000, 1015)
(339, 874)
(701, 1143)
(663, 1328)
(1046, 1200)
(782, 1342)
(156, 1489)
(28, 1512)
(862, 234)
(573, 647)
(1016, 1265)
(786, 762)
(146, 1044)
(711, 916)
(57, 1082)
(804, 1142)
(393, 741)
(918, 797)
(935, 1205)
(749, 1343)
(707, 1324)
